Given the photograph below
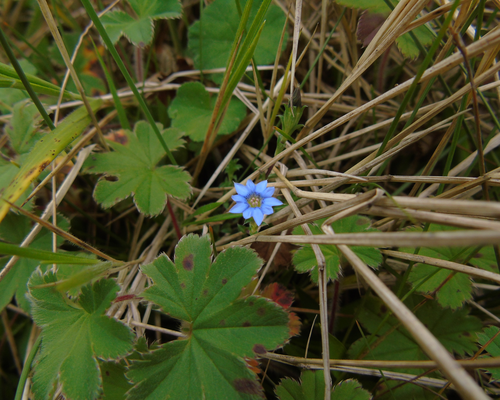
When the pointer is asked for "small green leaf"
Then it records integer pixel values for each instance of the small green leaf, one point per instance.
(135, 164)
(22, 128)
(305, 260)
(74, 336)
(139, 28)
(192, 108)
(14, 228)
(350, 389)
(312, 387)
(493, 347)
(453, 288)
(221, 327)
(219, 28)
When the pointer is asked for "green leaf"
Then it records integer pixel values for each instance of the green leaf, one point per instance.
(219, 28)
(221, 328)
(192, 108)
(22, 129)
(74, 336)
(350, 389)
(493, 348)
(312, 387)
(135, 164)
(305, 260)
(114, 382)
(453, 288)
(15, 228)
(138, 29)
(454, 329)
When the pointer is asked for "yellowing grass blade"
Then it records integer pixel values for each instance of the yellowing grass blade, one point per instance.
(44, 152)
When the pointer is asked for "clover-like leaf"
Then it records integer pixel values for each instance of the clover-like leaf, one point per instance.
(192, 108)
(452, 289)
(305, 260)
(221, 326)
(138, 29)
(220, 25)
(14, 229)
(134, 163)
(74, 337)
(312, 387)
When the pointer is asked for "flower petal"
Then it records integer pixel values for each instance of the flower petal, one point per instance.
(258, 216)
(239, 208)
(268, 192)
(272, 201)
(250, 186)
(241, 189)
(261, 187)
(267, 210)
(248, 213)
(239, 198)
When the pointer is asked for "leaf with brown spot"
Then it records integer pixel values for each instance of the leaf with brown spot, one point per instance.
(223, 327)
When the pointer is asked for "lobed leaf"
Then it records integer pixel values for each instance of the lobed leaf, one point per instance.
(138, 29)
(135, 164)
(221, 327)
(452, 289)
(74, 337)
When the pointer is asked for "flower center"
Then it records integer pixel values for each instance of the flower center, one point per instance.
(254, 201)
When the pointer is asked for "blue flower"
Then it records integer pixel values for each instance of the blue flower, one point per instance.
(254, 201)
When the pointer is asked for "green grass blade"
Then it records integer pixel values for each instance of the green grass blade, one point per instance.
(112, 88)
(46, 257)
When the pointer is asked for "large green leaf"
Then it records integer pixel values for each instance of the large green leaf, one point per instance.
(74, 337)
(192, 108)
(305, 260)
(139, 28)
(135, 164)
(219, 27)
(452, 289)
(221, 328)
